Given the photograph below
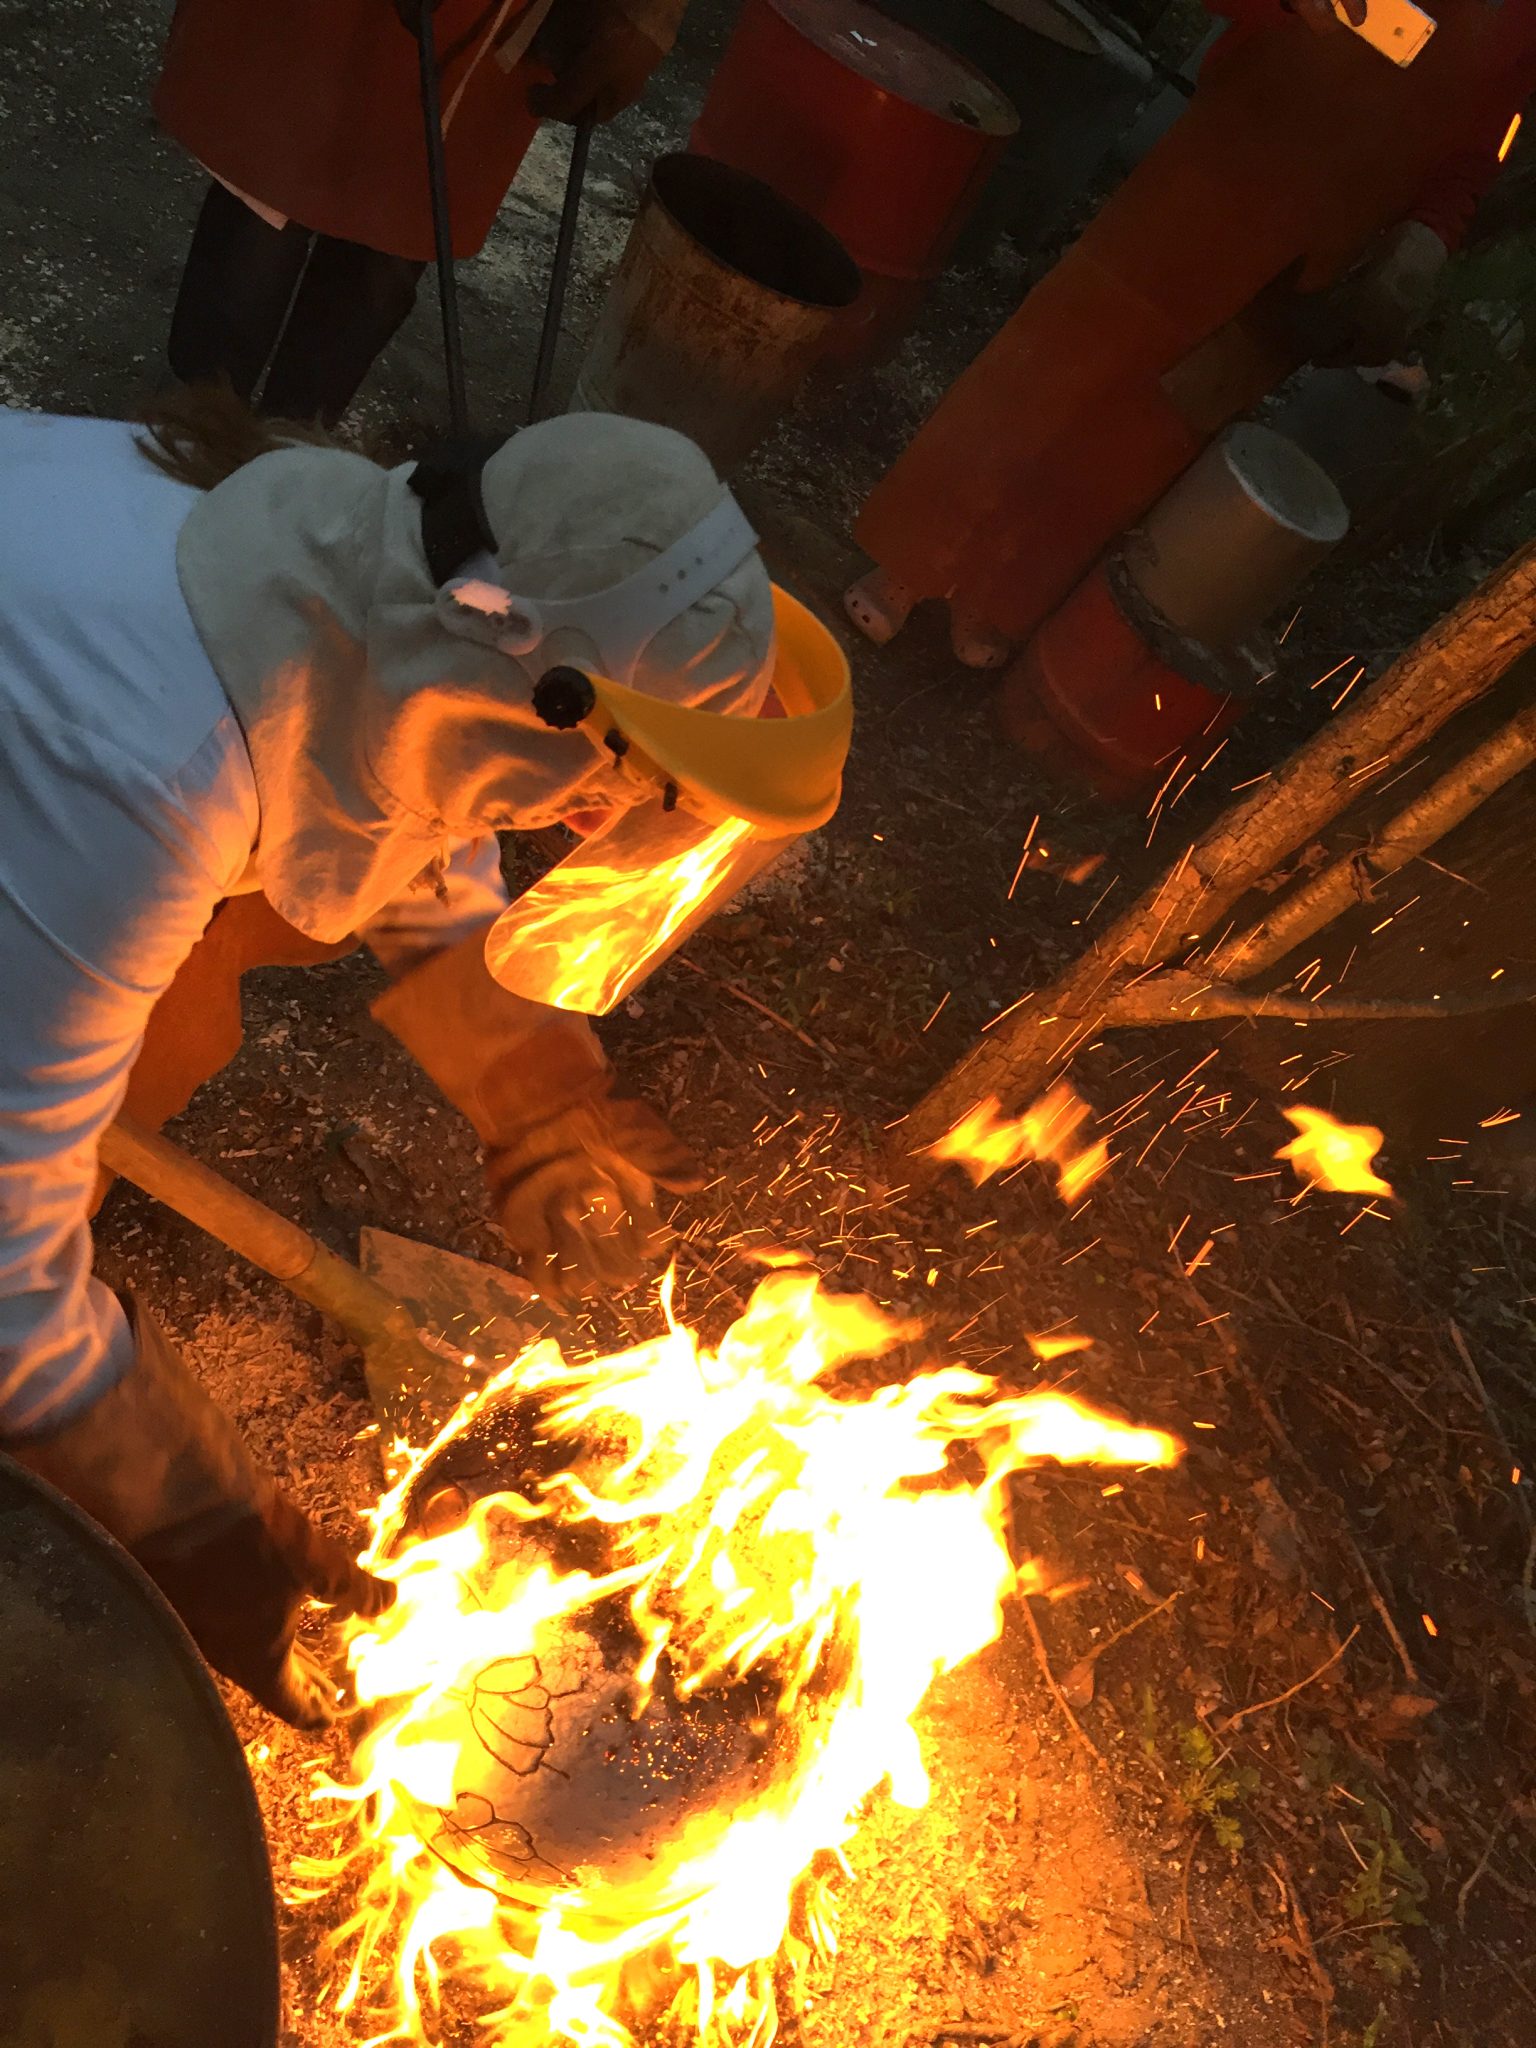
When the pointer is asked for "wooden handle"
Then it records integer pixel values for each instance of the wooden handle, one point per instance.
(250, 1228)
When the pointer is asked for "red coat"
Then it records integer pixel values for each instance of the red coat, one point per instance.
(1452, 188)
(312, 107)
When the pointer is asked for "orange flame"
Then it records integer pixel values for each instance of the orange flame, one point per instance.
(1330, 1154)
(985, 1142)
(794, 1564)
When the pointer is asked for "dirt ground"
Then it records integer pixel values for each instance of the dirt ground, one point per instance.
(1263, 1771)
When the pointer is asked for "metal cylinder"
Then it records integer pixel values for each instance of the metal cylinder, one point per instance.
(1094, 693)
(882, 134)
(1076, 81)
(723, 301)
(1235, 536)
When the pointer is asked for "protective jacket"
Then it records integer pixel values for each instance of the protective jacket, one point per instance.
(209, 694)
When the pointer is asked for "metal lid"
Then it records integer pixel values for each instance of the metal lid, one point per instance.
(1284, 482)
(136, 1902)
(902, 61)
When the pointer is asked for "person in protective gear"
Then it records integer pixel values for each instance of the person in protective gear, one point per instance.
(261, 720)
(1300, 209)
(316, 226)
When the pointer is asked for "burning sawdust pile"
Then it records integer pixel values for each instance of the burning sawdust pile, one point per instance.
(664, 1621)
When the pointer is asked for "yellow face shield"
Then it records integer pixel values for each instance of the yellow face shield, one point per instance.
(731, 795)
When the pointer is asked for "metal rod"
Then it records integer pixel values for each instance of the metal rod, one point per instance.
(560, 269)
(442, 219)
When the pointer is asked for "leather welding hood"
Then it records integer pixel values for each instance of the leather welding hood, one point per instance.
(387, 711)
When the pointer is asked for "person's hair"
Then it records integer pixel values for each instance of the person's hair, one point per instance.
(202, 433)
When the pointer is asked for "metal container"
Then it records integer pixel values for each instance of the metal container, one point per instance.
(136, 1902)
(1235, 537)
(1076, 80)
(723, 300)
(1112, 704)
(883, 135)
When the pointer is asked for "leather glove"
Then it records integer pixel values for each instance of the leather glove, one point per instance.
(572, 1163)
(574, 1172)
(164, 1470)
(600, 60)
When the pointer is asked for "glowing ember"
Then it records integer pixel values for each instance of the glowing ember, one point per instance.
(1328, 1154)
(626, 1710)
(985, 1142)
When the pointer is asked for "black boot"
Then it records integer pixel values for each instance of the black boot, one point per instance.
(349, 305)
(240, 277)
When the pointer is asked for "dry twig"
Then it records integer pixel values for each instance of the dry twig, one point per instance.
(1280, 1698)
(1373, 1594)
(1322, 1982)
(1481, 1865)
(1494, 1423)
(1051, 1686)
(744, 996)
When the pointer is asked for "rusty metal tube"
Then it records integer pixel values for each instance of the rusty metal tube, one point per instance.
(724, 299)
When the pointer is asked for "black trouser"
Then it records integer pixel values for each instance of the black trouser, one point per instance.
(309, 310)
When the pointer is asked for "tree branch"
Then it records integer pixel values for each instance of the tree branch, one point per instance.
(1344, 883)
(1451, 666)
(1179, 996)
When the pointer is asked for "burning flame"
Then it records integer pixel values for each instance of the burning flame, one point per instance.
(1329, 1154)
(539, 1822)
(592, 928)
(985, 1142)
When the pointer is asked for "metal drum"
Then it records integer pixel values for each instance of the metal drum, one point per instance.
(1076, 79)
(557, 1783)
(136, 1904)
(883, 135)
(723, 302)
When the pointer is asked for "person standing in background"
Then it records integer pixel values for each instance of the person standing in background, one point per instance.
(317, 224)
(1301, 209)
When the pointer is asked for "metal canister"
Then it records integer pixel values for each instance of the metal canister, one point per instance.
(1235, 537)
(882, 134)
(722, 303)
